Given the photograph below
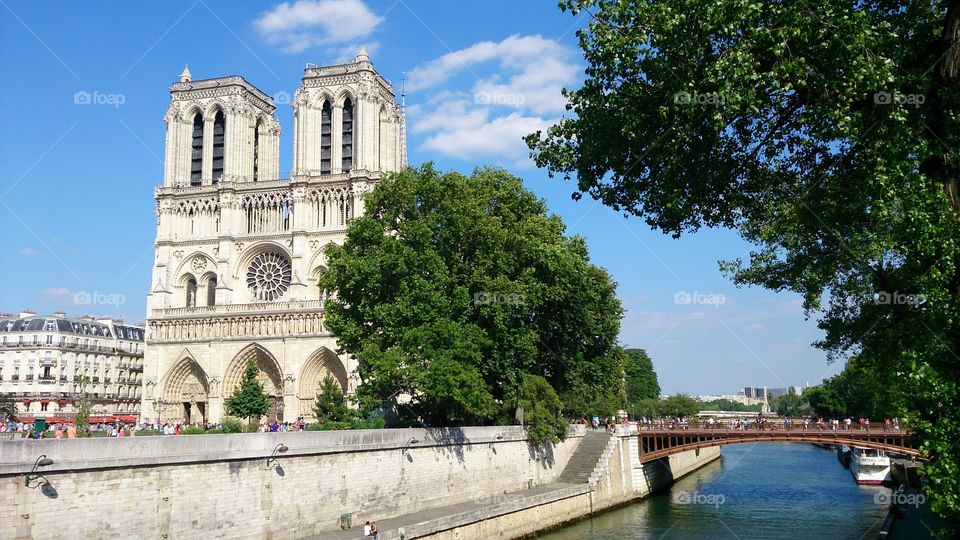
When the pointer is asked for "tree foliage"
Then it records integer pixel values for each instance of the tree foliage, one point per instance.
(8, 409)
(827, 134)
(81, 420)
(331, 405)
(450, 288)
(249, 400)
(541, 411)
(641, 379)
(679, 406)
(824, 401)
(790, 404)
(729, 405)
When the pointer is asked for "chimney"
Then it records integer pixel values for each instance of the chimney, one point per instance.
(59, 314)
(27, 313)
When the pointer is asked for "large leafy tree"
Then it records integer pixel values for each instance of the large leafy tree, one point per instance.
(641, 379)
(450, 288)
(827, 133)
(249, 400)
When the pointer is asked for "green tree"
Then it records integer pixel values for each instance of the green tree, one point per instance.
(81, 419)
(728, 405)
(249, 400)
(824, 401)
(449, 288)
(641, 379)
(827, 134)
(679, 406)
(647, 408)
(790, 404)
(331, 405)
(541, 411)
(8, 409)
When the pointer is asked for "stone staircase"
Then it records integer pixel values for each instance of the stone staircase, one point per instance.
(589, 461)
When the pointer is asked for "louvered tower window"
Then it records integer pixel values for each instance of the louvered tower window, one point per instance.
(325, 138)
(219, 129)
(256, 151)
(347, 163)
(196, 151)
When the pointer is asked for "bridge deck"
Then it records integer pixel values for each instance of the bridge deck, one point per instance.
(657, 443)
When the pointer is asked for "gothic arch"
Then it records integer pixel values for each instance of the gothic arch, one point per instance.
(212, 108)
(185, 381)
(322, 363)
(319, 258)
(183, 269)
(343, 95)
(191, 112)
(317, 99)
(270, 373)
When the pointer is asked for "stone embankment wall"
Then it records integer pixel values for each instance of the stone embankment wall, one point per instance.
(220, 486)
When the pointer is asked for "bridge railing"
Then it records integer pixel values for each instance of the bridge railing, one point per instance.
(770, 426)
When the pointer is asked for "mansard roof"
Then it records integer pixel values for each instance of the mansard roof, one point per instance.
(71, 326)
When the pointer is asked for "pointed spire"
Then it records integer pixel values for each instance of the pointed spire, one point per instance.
(362, 55)
(185, 75)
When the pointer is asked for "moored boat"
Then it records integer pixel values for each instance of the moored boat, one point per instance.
(870, 466)
(843, 455)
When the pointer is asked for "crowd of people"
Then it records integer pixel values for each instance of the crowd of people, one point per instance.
(68, 430)
(740, 423)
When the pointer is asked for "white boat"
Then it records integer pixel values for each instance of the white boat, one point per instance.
(870, 466)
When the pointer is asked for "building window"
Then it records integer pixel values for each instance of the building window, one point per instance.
(256, 151)
(43, 406)
(347, 162)
(325, 144)
(49, 340)
(219, 131)
(191, 293)
(196, 151)
(211, 294)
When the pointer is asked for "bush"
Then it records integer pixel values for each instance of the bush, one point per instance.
(231, 425)
(192, 430)
(372, 423)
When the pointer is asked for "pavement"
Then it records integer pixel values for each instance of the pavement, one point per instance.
(446, 517)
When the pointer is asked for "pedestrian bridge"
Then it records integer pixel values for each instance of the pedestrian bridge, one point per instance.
(659, 443)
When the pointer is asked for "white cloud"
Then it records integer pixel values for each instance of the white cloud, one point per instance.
(59, 295)
(465, 138)
(490, 120)
(30, 252)
(306, 23)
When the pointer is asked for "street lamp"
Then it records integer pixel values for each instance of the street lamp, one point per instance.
(280, 448)
(412, 441)
(42, 461)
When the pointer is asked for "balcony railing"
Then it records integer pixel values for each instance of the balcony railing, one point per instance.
(292, 305)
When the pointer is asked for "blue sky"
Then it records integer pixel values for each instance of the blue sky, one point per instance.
(76, 189)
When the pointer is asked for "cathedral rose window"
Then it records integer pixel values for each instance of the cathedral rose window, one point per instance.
(268, 276)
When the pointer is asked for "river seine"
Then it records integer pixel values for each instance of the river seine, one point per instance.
(759, 490)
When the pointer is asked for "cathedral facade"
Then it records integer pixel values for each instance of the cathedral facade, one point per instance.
(239, 249)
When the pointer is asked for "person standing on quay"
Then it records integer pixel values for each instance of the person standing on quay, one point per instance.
(71, 431)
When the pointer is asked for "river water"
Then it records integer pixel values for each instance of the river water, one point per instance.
(759, 490)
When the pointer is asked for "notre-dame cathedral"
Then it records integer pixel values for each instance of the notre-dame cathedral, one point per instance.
(239, 249)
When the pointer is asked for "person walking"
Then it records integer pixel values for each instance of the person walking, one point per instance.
(72, 431)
